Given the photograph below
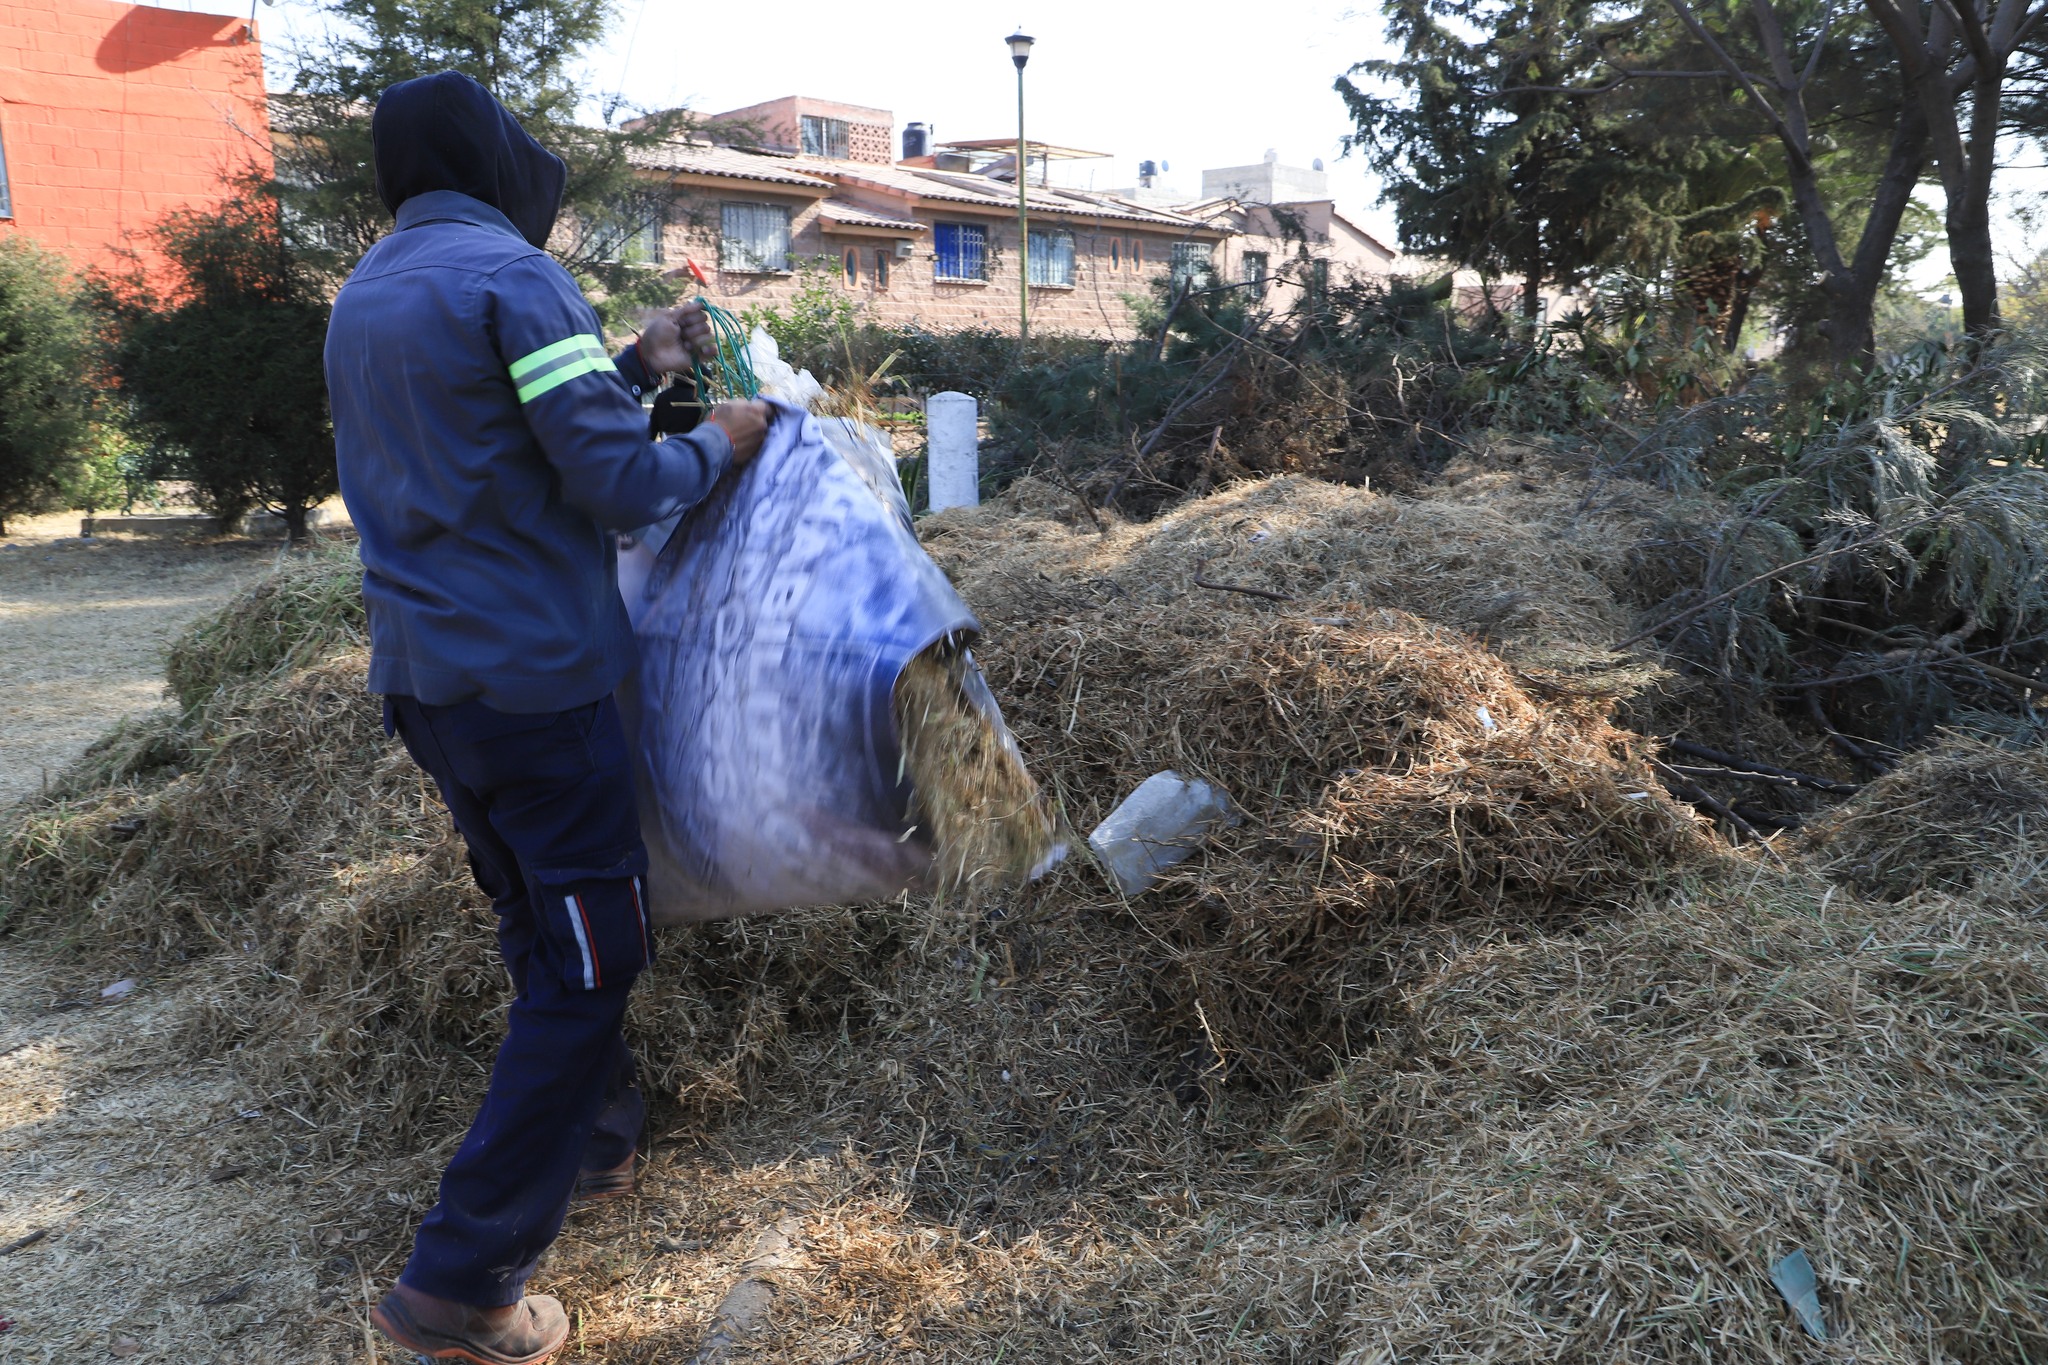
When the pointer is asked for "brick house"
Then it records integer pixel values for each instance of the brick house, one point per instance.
(113, 114)
(1284, 229)
(932, 239)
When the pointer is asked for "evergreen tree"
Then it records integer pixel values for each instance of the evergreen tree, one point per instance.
(1672, 142)
(224, 365)
(1849, 142)
(1492, 157)
(44, 411)
(523, 51)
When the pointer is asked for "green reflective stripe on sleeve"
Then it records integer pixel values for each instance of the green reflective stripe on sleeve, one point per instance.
(554, 378)
(527, 364)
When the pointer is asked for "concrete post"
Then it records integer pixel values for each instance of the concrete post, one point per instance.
(953, 461)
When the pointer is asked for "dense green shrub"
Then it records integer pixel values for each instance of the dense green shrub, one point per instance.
(44, 388)
(225, 365)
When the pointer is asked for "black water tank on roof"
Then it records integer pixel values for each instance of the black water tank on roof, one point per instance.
(917, 141)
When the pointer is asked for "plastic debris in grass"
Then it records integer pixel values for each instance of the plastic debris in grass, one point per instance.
(1156, 826)
(1795, 1280)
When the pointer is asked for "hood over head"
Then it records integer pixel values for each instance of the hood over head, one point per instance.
(446, 132)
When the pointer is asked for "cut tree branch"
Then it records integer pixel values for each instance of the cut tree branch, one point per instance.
(1718, 598)
(1266, 593)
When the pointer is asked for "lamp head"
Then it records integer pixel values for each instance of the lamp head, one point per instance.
(1020, 48)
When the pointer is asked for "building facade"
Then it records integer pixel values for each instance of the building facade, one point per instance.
(1284, 230)
(916, 247)
(112, 115)
(932, 239)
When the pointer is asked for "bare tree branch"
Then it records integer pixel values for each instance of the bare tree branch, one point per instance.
(1620, 80)
(1794, 147)
(1820, 45)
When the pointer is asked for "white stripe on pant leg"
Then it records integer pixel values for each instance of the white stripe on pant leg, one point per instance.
(646, 948)
(582, 943)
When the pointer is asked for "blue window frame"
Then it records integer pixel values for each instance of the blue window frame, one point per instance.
(959, 251)
(6, 200)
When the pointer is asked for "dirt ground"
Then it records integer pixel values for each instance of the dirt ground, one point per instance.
(154, 1207)
(83, 626)
(157, 1209)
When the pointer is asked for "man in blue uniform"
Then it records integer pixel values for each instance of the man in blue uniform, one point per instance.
(488, 448)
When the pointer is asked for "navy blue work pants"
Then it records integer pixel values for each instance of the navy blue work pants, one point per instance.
(545, 803)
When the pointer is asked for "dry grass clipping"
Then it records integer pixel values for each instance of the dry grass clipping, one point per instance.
(1465, 1045)
(972, 794)
(1946, 818)
(1530, 572)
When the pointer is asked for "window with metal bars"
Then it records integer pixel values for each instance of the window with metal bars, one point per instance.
(1190, 263)
(1052, 257)
(1252, 271)
(959, 251)
(753, 238)
(631, 235)
(824, 136)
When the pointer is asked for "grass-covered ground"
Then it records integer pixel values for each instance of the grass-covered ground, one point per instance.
(1469, 1044)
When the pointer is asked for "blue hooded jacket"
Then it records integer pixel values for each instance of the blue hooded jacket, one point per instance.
(487, 445)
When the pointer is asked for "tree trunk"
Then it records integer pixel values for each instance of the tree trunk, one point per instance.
(1851, 290)
(1532, 275)
(1970, 252)
(1967, 196)
(1532, 263)
(1851, 333)
(1850, 307)
(1935, 52)
(1738, 309)
(295, 525)
(1970, 255)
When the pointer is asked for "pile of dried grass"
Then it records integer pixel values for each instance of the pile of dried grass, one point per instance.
(1534, 570)
(1595, 1148)
(1464, 1044)
(1945, 819)
(1392, 775)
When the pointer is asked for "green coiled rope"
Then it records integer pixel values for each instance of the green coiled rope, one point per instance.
(732, 376)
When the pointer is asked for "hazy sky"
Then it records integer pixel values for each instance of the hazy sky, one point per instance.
(1189, 84)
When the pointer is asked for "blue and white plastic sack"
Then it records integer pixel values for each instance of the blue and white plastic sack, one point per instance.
(774, 619)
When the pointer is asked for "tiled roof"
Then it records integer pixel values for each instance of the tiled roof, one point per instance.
(947, 187)
(839, 211)
(701, 159)
(961, 188)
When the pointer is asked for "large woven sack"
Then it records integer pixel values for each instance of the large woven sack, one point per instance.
(773, 620)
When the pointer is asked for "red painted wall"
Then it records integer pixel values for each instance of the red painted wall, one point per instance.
(113, 114)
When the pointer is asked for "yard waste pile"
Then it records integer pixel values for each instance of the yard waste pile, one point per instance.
(779, 621)
(1953, 817)
(1466, 1042)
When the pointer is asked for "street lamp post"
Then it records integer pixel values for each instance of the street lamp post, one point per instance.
(1020, 53)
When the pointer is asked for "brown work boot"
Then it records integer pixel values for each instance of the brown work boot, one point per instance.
(592, 1186)
(525, 1333)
